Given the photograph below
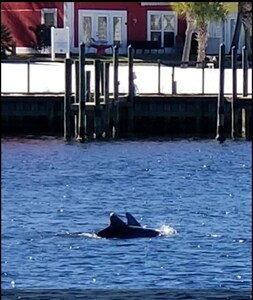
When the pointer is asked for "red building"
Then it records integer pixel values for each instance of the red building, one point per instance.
(110, 22)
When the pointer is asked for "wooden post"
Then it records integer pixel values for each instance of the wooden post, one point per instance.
(106, 97)
(131, 91)
(28, 75)
(102, 78)
(97, 115)
(159, 75)
(220, 103)
(234, 90)
(76, 96)
(115, 90)
(87, 99)
(87, 85)
(67, 100)
(245, 124)
(203, 77)
(130, 74)
(81, 118)
(245, 71)
(173, 82)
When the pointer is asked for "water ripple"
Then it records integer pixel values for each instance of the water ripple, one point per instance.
(199, 192)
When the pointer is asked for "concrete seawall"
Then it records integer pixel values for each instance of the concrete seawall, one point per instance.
(153, 115)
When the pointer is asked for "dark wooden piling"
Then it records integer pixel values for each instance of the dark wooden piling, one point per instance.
(87, 99)
(220, 103)
(28, 75)
(245, 124)
(81, 118)
(173, 82)
(87, 86)
(106, 70)
(203, 78)
(131, 90)
(102, 78)
(115, 73)
(159, 75)
(97, 114)
(234, 91)
(76, 99)
(245, 71)
(115, 90)
(67, 99)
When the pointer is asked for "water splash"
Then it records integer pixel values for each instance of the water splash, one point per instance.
(84, 235)
(167, 230)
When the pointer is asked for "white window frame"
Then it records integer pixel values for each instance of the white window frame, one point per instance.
(49, 10)
(162, 13)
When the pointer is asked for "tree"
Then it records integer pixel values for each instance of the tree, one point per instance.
(43, 36)
(198, 15)
(204, 13)
(6, 41)
(186, 9)
(244, 17)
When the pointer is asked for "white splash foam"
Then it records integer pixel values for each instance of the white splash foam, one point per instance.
(85, 235)
(167, 230)
(216, 235)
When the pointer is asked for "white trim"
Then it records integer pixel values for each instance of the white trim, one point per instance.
(162, 13)
(49, 10)
(94, 14)
(68, 21)
(29, 50)
(154, 3)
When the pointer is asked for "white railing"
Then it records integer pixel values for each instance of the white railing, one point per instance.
(48, 77)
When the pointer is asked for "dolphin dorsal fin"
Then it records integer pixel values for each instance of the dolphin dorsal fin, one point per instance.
(131, 221)
(116, 221)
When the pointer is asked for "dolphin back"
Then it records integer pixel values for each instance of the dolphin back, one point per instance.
(131, 221)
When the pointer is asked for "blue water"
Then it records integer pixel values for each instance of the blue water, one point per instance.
(200, 189)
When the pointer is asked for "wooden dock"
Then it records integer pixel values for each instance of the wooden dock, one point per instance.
(99, 114)
(167, 115)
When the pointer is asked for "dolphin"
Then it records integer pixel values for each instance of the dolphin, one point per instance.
(121, 230)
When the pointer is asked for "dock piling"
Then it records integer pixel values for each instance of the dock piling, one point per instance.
(76, 99)
(131, 90)
(234, 91)
(173, 82)
(159, 75)
(97, 112)
(87, 99)
(28, 75)
(106, 70)
(67, 99)
(220, 103)
(245, 71)
(81, 118)
(116, 88)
